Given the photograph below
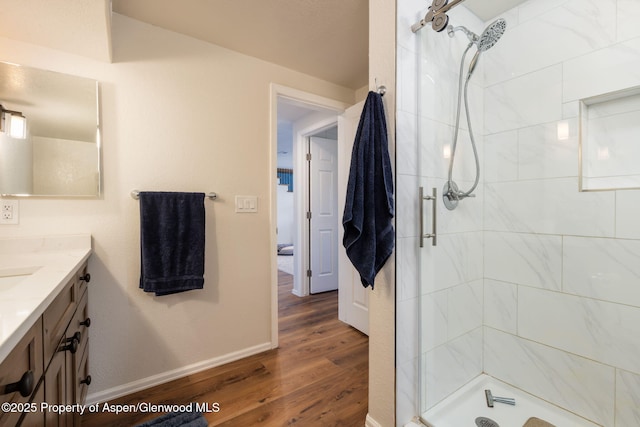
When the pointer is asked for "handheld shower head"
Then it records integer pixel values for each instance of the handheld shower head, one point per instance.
(489, 37)
(491, 34)
(485, 41)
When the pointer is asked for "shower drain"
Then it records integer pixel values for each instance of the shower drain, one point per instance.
(486, 422)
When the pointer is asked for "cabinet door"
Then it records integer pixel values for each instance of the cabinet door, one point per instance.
(82, 381)
(24, 358)
(55, 390)
(35, 418)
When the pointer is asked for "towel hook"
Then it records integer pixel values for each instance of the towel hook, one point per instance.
(382, 89)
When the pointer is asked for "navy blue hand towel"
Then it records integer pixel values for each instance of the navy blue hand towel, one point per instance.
(368, 230)
(171, 242)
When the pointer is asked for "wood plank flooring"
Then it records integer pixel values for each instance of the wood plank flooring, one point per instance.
(318, 376)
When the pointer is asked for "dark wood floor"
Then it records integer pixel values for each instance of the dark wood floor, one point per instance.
(318, 376)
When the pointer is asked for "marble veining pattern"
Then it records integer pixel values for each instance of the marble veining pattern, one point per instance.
(501, 305)
(526, 259)
(598, 330)
(627, 214)
(605, 269)
(578, 384)
(627, 398)
(451, 365)
(549, 206)
(620, 63)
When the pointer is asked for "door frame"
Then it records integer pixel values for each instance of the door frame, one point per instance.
(279, 91)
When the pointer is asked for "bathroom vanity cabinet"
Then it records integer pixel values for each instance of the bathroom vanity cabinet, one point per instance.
(22, 369)
(49, 364)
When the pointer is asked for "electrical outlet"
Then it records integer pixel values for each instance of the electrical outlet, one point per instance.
(10, 212)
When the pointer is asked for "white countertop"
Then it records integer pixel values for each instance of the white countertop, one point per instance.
(33, 271)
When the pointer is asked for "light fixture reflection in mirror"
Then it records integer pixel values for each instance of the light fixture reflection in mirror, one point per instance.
(13, 123)
(49, 134)
(18, 127)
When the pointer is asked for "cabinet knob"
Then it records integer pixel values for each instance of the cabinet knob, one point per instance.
(24, 386)
(86, 277)
(87, 380)
(87, 322)
(71, 344)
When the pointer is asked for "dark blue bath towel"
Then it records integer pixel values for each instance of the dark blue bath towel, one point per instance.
(171, 242)
(368, 231)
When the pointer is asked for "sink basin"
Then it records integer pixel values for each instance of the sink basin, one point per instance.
(18, 271)
(10, 277)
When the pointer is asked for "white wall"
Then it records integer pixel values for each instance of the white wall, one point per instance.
(285, 215)
(177, 114)
(554, 303)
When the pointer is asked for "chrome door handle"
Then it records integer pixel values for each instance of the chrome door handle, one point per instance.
(433, 235)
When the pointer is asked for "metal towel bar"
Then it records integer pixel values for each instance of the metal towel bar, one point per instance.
(135, 194)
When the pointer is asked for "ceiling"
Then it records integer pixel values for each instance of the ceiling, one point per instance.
(327, 39)
(489, 9)
(323, 38)
(79, 27)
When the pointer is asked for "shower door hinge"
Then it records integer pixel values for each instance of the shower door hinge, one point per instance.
(309, 215)
(308, 157)
(308, 273)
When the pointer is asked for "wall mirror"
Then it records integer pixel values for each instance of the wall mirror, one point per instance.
(49, 134)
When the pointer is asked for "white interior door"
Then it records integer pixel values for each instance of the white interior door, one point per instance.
(323, 204)
(353, 298)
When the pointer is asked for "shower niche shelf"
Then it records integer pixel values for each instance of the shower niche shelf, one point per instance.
(610, 141)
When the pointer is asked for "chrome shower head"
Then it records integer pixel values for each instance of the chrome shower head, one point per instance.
(485, 41)
(491, 35)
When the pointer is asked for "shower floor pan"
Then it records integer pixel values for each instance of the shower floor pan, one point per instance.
(465, 405)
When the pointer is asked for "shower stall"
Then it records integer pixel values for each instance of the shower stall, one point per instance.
(533, 288)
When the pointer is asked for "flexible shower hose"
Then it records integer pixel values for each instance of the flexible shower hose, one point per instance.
(462, 194)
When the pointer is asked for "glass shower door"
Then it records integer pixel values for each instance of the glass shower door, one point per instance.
(450, 273)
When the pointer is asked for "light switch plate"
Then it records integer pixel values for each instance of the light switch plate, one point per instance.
(246, 204)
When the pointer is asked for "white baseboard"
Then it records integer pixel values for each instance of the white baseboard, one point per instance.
(415, 422)
(298, 293)
(144, 383)
(370, 422)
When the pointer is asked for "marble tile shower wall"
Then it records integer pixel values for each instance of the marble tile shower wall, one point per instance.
(532, 282)
(561, 287)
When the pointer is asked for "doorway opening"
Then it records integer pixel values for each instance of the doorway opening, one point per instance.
(296, 115)
(299, 119)
(306, 190)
